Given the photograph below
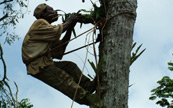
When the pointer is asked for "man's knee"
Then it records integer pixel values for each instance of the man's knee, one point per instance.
(71, 64)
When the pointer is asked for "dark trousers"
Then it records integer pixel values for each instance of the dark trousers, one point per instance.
(64, 76)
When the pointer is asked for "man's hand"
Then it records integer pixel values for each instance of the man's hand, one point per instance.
(71, 22)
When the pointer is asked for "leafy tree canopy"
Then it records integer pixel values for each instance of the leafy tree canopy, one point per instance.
(12, 11)
(164, 91)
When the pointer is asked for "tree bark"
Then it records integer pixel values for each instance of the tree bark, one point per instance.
(116, 49)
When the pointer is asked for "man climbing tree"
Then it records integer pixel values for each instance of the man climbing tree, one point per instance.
(42, 43)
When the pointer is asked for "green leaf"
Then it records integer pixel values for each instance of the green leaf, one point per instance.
(97, 15)
(83, 10)
(152, 97)
(92, 2)
(135, 56)
(60, 10)
(74, 32)
(130, 85)
(80, 25)
(90, 76)
(63, 20)
(138, 48)
(1, 84)
(170, 66)
(134, 44)
(100, 64)
(93, 66)
(22, 15)
(170, 63)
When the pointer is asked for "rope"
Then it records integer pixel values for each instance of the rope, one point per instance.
(84, 46)
(94, 54)
(79, 48)
(80, 76)
(97, 72)
(88, 31)
(72, 39)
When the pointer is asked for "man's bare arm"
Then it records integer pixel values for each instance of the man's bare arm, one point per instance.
(69, 24)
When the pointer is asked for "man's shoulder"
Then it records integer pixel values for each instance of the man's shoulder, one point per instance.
(39, 22)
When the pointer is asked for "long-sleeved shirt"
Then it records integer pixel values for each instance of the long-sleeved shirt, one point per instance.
(37, 43)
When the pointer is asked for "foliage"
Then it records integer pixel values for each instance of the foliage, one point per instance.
(89, 16)
(10, 17)
(133, 58)
(24, 103)
(164, 91)
(96, 13)
(135, 54)
(94, 98)
(170, 64)
(6, 100)
(98, 67)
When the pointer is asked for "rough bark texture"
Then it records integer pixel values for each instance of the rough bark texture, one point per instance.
(116, 49)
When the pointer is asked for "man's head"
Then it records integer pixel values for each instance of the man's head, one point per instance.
(46, 12)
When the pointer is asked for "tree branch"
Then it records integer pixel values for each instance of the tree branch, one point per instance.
(16, 94)
(5, 74)
(4, 64)
(5, 1)
(6, 83)
(11, 93)
(5, 16)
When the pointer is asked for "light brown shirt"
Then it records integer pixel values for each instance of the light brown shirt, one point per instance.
(37, 43)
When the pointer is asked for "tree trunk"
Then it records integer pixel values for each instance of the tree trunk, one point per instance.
(116, 49)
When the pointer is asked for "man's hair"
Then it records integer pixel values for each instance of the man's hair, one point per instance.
(39, 9)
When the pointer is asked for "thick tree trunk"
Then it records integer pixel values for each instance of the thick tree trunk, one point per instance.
(116, 49)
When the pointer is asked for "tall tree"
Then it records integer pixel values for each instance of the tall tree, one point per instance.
(115, 50)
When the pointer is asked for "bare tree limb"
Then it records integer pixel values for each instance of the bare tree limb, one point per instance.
(4, 64)
(16, 94)
(5, 76)
(5, 16)
(6, 94)
(11, 93)
(5, 1)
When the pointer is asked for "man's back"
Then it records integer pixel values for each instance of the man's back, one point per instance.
(37, 43)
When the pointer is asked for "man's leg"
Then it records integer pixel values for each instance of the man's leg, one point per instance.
(73, 70)
(60, 80)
